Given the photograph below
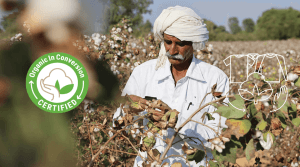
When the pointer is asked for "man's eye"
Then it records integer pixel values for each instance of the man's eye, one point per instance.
(168, 42)
(180, 43)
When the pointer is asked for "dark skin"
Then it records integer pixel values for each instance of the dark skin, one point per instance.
(174, 46)
(178, 67)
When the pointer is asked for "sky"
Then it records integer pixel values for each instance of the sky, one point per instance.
(217, 11)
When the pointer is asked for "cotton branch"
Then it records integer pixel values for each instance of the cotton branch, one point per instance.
(188, 120)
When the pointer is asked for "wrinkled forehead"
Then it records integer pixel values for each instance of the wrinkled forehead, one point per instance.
(173, 38)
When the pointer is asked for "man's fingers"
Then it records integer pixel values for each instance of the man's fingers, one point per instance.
(138, 99)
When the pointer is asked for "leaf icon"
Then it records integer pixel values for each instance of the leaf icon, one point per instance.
(57, 85)
(66, 89)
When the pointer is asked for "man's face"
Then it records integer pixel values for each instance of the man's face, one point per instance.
(175, 47)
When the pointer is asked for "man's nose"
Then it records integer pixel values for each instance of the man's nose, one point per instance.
(173, 49)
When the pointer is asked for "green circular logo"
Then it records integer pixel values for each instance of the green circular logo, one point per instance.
(57, 82)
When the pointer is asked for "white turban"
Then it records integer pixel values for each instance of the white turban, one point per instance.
(182, 23)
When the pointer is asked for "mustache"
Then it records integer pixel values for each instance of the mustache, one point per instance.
(177, 56)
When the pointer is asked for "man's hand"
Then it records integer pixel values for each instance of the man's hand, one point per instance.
(137, 104)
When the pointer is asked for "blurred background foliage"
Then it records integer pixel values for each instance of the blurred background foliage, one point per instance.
(134, 9)
(273, 24)
(28, 135)
(9, 25)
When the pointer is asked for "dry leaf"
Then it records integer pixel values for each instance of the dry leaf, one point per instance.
(176, 164)
(217, 94)
(297, 70)
(275, 123)
(214, 87)
(155, 154)
(258, 106)
(104, 122)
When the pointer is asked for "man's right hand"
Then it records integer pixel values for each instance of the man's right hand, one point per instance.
(142, 103)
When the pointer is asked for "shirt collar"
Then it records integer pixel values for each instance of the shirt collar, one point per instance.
(194, 70)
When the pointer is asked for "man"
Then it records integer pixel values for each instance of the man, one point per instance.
(180, 80)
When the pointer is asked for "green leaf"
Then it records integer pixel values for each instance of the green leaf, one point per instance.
(209, 116)
(237, 142)
(57, 85)
(296, 121)
(293, 108)
(259, 116)
(108, 56)
(252, 109)
(213, 164)
(238, 127)
(149, 141)
(228, 154)
(297, 82)
(66, 89)
(237, 103)
(250, 150)
(127, 60)
(79, 124)
(228, 112)
(255, 75)
(265, 136)
(197, 156)
(261, 125)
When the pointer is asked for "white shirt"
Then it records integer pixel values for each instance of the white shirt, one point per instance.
(199, 79)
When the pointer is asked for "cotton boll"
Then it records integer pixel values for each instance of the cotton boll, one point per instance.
(129, 29)
(116, 38)
(145, 43)
(103, 37)
(122, 65)
(113, 67)
(164, 132)
(134, 57)
(110, 134)
(132, 67)
(128, 55)
(296, 164)
(136, 125)
(219, 149)
(97, 41)
(96, 47)
(128, 64)
(266, 145)
(266, 104)
(144, 50)
(118, 29)
(210, 48)
(96, 130)
(258, 134)
(113, 29)
(136, 63)
(292, 76)
(116, 72)
(150, 134)
(133, 45)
